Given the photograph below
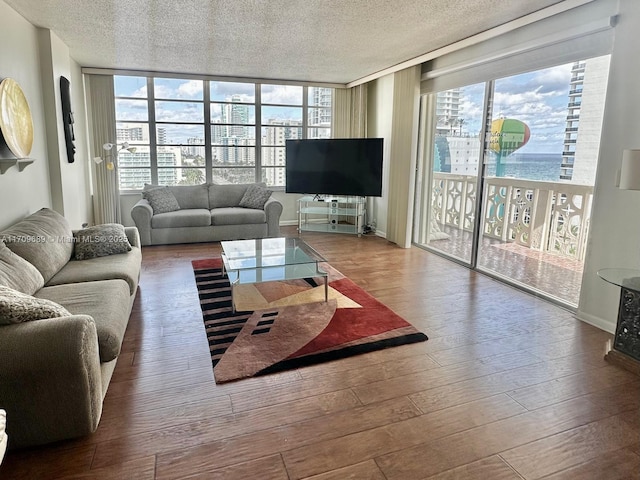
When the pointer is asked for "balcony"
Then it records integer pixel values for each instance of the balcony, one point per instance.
(533, 232)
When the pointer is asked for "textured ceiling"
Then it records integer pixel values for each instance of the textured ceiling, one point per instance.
(311, 40)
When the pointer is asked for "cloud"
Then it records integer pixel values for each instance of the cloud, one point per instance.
(179, 112)
(554, 79)
(140, 92)
(282, 94)
(190, 89)
(131, 109)
(225, 90)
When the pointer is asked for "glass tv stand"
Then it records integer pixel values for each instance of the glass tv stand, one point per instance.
(332, 214)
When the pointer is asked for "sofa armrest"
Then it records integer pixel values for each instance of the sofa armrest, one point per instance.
(133, 236)
(50, 379)
(141, 214)
(273, 210)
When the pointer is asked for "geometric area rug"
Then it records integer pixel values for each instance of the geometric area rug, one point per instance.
(286, 325)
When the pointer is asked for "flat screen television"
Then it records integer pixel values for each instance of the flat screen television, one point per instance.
(334, 166)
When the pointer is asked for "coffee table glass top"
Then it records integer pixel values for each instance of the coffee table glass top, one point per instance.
(269, 259)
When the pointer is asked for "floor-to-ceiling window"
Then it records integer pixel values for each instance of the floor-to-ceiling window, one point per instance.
(509, 170)
(193, 130)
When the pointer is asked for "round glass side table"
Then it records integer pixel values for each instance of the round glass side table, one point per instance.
(627, 336)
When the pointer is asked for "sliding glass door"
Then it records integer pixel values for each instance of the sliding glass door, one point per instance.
(506, 175)
(451, 146)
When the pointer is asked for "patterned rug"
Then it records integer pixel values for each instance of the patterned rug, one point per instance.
(284, 325)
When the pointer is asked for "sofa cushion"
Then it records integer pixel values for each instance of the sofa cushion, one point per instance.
(101, 241)
(18, 307)
(195, 217)
(106, 301)
(44, 239)
(237, 216)
(191, 196)
(161, 199)
(255, 197)
(17, 273)
(221, 196)
(124, 266)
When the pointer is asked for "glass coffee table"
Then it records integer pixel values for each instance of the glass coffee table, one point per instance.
(270, 260)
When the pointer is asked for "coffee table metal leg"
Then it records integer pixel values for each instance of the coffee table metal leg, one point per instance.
(326, 289)
(233, 300)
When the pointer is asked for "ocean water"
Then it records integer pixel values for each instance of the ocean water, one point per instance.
(530, 166)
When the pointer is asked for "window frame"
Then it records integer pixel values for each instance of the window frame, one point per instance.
(208, 124)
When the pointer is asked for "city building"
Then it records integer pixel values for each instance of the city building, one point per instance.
(585, 111)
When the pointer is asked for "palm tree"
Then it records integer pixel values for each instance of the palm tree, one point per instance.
(192, 176)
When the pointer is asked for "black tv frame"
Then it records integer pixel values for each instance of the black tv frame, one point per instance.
(334, 166)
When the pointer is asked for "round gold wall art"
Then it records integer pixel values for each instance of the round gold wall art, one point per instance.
(16, 123)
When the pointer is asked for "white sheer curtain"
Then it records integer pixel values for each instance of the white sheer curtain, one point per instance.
(350, 112)
(106, 195)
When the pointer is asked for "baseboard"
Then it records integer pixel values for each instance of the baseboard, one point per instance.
(380, 233)
(601, 323)
(286, 223)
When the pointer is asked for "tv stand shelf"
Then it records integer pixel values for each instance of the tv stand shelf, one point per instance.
(333, 214)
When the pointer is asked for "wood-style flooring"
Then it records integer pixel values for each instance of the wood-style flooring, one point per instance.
(508, 386)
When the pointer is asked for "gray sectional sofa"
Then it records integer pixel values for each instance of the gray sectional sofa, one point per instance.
(205, 213)
(62, 322)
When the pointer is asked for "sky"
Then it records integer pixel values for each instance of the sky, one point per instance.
(538, 99)
(284, 99)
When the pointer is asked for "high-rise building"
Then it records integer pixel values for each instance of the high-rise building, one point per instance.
(195, 147)
(585, 111)
(319, 113)
(161, 135)
(238, 115)
(134, 171)
(448, 111)
(130, 133)
(278, 133)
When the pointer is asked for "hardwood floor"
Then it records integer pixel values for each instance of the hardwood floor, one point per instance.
(508, 386)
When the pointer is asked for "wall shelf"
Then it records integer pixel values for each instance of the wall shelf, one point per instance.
(7, 163)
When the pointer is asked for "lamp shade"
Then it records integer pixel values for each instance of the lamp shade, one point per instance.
(630, 171)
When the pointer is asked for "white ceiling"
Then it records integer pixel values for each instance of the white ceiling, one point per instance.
(336, 41)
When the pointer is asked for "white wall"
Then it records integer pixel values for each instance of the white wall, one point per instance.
(36, 58)
(69, 185)
(22, 193)
(614, 239)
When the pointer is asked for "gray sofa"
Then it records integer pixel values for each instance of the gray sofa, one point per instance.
(206, 213)
(55, 367)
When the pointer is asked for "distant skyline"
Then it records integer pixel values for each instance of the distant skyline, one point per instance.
(280, 103)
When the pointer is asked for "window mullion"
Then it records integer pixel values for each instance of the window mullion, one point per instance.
(258, 134)
(208, 157)
(305, 111)
(153, 147)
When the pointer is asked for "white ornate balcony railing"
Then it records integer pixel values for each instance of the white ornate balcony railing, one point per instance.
(546, 216)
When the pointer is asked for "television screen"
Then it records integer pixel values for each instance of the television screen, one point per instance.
(334, 166)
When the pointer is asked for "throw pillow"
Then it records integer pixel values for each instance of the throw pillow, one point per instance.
(17, 273)
(100, 241)
(43, 239)
(255, 197)
(162, 200)
(18, 307)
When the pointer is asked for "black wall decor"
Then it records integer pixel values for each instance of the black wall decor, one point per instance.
(67, 118)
